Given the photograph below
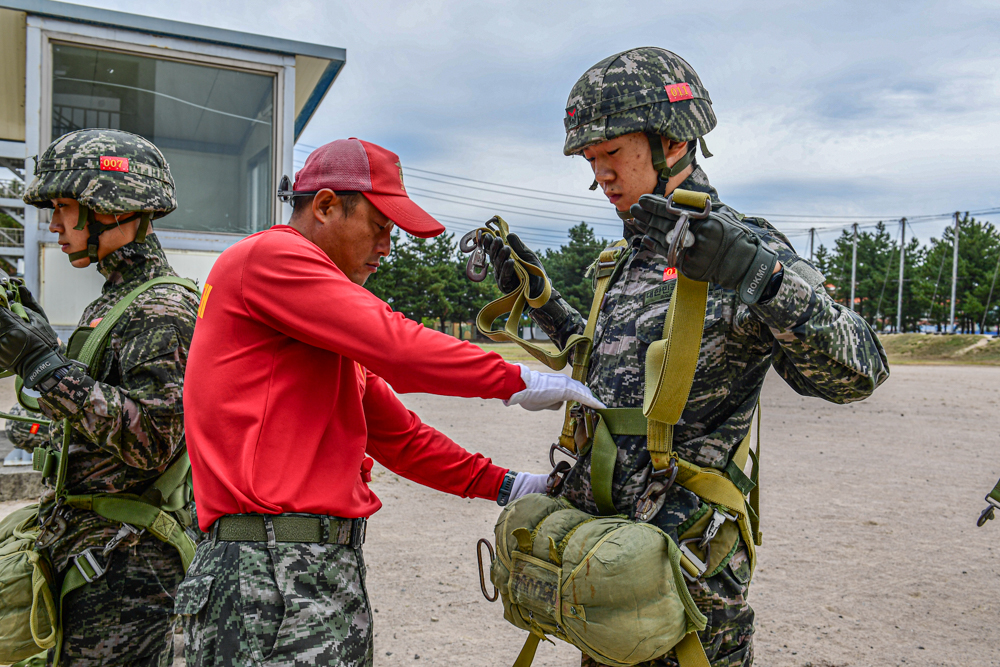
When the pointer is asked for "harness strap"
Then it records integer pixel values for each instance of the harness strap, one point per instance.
(604, 270)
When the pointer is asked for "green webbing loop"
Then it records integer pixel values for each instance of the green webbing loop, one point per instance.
(140, 234)
(603, 455)
(173, 478)
(513, 305)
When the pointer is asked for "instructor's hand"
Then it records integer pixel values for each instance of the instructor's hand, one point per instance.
(723, 251)
(548, 391)
(526, 483)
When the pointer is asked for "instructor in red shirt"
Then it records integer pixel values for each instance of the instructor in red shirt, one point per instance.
(287, 403)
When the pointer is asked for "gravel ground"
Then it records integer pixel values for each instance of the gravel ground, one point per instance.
(871, 555)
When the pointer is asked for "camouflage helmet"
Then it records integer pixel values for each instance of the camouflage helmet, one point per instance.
(649, 90)
(107, 172)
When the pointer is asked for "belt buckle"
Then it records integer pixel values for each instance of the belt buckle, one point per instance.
(91, 560)
(359, 527)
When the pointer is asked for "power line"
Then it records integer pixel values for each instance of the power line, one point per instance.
(603, 207)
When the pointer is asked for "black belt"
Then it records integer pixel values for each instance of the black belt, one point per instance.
(309, 529)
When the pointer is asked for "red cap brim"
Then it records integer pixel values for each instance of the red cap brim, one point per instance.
(407, 215)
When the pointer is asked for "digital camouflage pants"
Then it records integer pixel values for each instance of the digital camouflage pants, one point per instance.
(291, 605)
(126, 616)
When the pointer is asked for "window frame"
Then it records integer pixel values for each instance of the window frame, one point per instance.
(279, 66)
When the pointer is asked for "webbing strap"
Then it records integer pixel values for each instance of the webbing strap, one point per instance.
(167, 483)
(94, 347)
(995, 493)
(513, 304)
(690, 652)
(527, 654)
(607, 264)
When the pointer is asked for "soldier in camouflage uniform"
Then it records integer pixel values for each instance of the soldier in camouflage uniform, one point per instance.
(127, 422)
(636, 116)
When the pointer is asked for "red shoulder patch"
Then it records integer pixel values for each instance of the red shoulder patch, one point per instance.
(109, 163)
(678, 92)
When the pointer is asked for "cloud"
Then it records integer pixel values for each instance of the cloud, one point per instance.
(828, 107)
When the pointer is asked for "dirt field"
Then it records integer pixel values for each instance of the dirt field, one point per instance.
(871, 555)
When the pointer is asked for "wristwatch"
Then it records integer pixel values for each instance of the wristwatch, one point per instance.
(506, 487)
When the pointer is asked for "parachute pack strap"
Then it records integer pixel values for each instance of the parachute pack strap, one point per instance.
(137, 512)
(603, 455)
(92, 349)
(604, 270)
(72, 581)
(690, 652)
(527, 654)
(670, 366)
(513, 304)
(171, 479)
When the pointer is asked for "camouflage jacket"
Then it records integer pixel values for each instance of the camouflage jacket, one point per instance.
(128, 422)
(817, 346)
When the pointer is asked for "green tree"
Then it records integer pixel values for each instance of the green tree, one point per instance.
(567, 266)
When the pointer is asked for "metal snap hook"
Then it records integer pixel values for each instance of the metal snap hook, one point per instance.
(482, 576)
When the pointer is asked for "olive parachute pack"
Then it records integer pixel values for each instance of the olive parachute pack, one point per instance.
(30, 610)
(614, 586)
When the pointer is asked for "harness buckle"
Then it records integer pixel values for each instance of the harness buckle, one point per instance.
(125, 531)
(556, 447)
(649, 504)
(715, 523)
(88, 557)
(556, 477)
(701, 566)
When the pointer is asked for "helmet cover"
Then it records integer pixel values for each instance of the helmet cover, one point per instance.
(648, 89)
(108, 171)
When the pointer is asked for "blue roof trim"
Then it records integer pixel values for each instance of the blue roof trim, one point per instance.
(168, 28)
(319, 91)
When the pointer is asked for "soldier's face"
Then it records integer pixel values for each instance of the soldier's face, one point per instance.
(623, 168)
(65, 215)
(356, 242)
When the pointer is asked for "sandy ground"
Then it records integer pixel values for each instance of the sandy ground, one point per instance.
(871, 554)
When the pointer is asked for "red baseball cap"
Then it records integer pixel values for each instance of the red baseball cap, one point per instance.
(359, 166)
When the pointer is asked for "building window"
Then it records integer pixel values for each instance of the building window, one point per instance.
(215, 126)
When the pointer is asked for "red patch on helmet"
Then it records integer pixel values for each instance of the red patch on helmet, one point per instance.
(669, 273)
(110, 163)
(678, 92)
(34, 429)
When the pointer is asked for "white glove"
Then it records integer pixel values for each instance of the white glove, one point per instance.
(548, 391)
(526, 483)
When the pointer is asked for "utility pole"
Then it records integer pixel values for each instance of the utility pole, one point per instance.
(812, 235)
(954, 277)
(902, 265)
(854, 264)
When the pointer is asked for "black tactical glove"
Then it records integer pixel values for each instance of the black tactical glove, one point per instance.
(28, 301)
(28, 348)
(725, 252)
(503, 265)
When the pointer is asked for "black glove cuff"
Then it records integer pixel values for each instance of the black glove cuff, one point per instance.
(506, 487)
(756, 279)
(43, 368)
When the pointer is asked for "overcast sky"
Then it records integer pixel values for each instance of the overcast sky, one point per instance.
(825, 108)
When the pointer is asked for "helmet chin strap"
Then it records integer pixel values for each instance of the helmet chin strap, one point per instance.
(88, 220)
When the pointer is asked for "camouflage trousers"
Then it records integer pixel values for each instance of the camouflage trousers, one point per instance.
(291, 605)
(126, 616)
(728, 637)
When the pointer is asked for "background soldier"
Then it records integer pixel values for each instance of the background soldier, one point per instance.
(637, 117)
(127, 421)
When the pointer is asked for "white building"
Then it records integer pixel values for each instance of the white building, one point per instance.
(225, 108)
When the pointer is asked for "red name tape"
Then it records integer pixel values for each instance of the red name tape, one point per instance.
(677, 92)
(109, 163)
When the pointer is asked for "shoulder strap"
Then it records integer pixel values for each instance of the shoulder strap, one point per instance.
(93, 349)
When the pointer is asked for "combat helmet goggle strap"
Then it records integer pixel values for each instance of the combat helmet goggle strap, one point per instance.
(648, 90)
(108, 172)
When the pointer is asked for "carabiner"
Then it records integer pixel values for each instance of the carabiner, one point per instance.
(482, 576)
